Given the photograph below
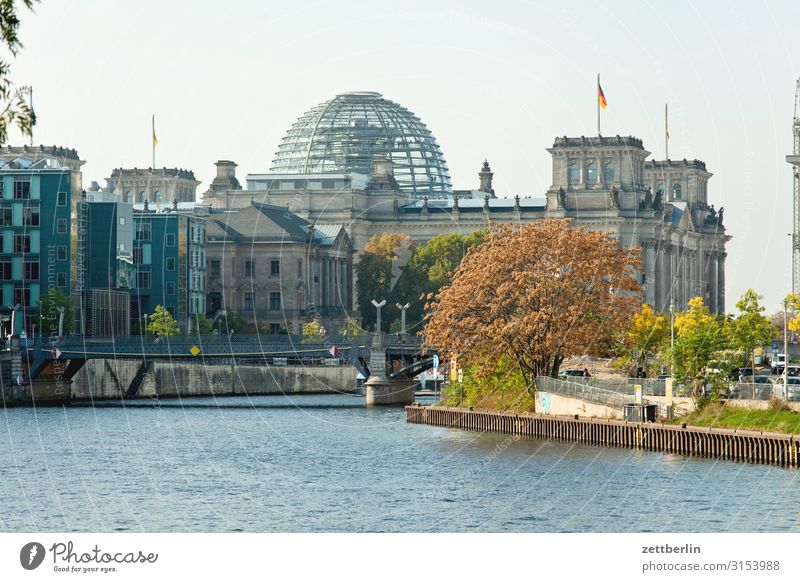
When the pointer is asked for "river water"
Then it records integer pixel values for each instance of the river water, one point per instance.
(325, 463)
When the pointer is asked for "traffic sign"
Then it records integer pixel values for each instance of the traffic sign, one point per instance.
(435, 362)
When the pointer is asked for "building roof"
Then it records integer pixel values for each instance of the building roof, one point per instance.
(152, 173)
(266, 223)
(595, 141)
(475, 205)
(676, 164)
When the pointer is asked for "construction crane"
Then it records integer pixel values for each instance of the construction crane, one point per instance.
(794, 159)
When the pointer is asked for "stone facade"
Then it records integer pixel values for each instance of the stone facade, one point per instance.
(271, 267)
(604, 184)
(156, 186)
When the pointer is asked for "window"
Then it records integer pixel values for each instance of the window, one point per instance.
(316, 278)
(274, 328)
(141, 197)
(5, 270)
(676, 191)
(328, 184)
(608, 172)
(122, 221)
(31, 270)
(248, 267)
(61, 226)
(22, 243)
(215, 267)
(274, 268)
(61, 199)
(122, 247)
(156, 196)
(170, 239)
(573, 176)
(22, 189)
(591, 173)
(275, 300)
(61, 253)
(137, 255)
(170, 263)
(22, 297)
(170, 288)
(660, 190)
(127, 196)
(143, 231)
(30, 216)
(61, 279)
(143, 279)
(249, 300)
(5, 217)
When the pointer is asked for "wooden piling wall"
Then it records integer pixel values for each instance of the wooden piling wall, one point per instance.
(693, 441)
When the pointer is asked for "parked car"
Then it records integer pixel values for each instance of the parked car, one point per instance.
(793, 386)
(571, 372)
(756, 387)
(777, 363)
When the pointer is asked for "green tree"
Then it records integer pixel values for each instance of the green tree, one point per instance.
(646, 338)
(312, 333)
(750, 329)
(14, 107)
(48, 313)
(203, 324)
(700, 337)
(162, 323)
(351, 327)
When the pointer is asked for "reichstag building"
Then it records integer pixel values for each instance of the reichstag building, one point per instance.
(370, 165)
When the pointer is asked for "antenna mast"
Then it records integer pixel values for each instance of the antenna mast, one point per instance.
(794, 159)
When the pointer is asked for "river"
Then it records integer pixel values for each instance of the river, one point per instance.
(325, 463)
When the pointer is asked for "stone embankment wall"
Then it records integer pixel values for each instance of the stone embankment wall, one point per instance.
(101, 379)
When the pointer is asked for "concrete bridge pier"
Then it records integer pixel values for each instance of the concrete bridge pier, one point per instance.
(380, 390)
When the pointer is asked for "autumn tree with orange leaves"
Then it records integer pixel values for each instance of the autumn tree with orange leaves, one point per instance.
(535, 295)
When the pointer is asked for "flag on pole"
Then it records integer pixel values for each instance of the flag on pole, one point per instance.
(601, 98)
(666, 119)
(334, 351)
(155, 139)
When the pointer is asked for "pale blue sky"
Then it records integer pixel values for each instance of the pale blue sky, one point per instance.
(490, 79)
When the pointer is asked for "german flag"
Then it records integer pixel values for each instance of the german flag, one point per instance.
(601, 99)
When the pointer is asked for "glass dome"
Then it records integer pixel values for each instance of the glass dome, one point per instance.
(345, 133)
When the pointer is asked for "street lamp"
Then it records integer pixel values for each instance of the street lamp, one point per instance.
(14, 310)
(672, 334)
(402, 309)
(378, 318)
(786, 347)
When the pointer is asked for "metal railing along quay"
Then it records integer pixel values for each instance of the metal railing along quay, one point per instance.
(712, 443)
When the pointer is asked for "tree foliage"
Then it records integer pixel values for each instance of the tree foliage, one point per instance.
(14, 109)
(393, 268)
(47, 312)
(536, 295)
(700, 336)
(162, 323)
(312, 333)
(750, 329)
(647, 337)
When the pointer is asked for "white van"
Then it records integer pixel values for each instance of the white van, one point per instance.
(778, 360)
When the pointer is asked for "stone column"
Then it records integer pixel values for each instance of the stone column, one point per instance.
(650, 273)
(721, 283)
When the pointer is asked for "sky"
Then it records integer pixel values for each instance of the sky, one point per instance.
(497, 80)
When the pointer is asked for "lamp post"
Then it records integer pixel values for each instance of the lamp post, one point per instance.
(786, 348)
(61, 321)
(672, 334)
(402, 309)
(14, 310)
(378, 318)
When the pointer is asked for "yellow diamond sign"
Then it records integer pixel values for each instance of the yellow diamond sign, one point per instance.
(194, 350)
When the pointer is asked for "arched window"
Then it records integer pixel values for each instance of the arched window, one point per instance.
(127, 196)
(660, 189)
(141, 196)
(573, 177)
(156, 196)
(591, 173)
(608, 172)
(676, 191)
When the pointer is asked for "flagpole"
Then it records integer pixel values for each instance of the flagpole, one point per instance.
(597, 99)
(666, 129)
(153, 141)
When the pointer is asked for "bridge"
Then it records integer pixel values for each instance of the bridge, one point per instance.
(388, 366)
